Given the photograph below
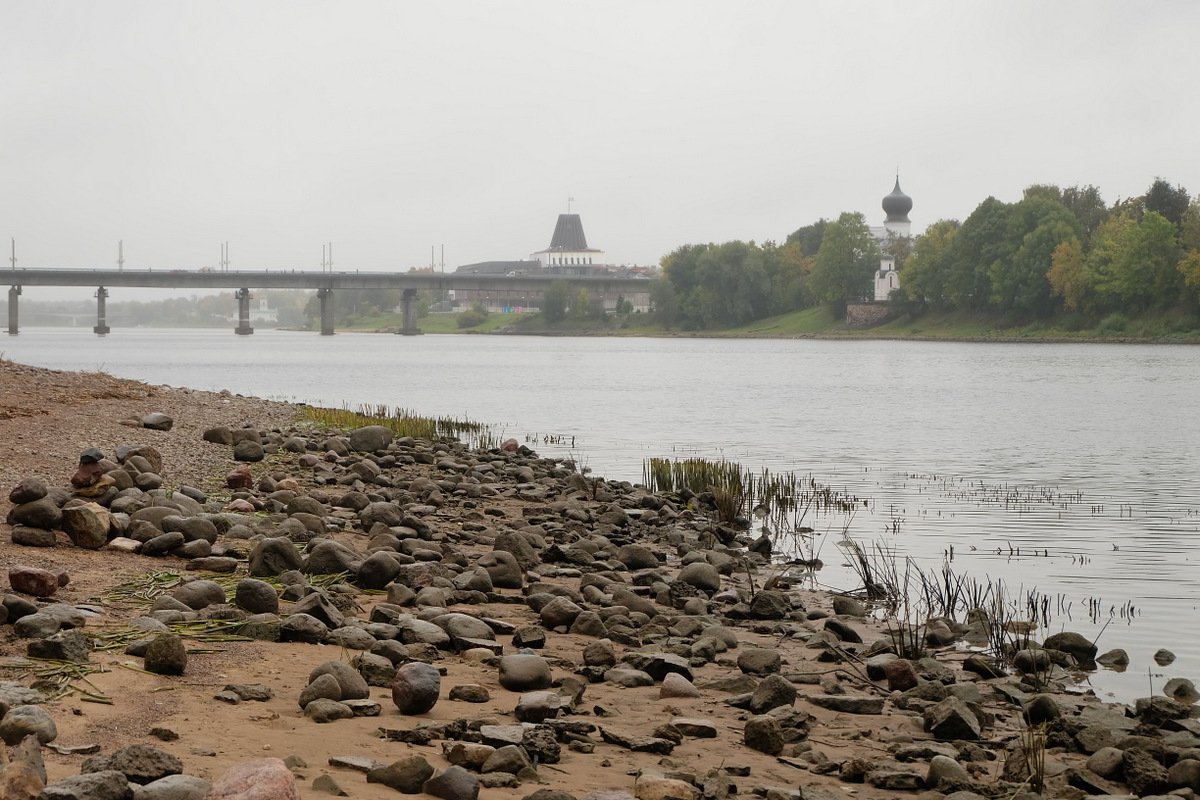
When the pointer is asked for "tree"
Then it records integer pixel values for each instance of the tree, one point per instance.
(555, 300)
(1146, 270)
(1087, 205)
(924, 274)
(846, 261)
(1171, 202)
(980, 242)
(1189, 267)
(664, 303)
(1069, 276)
(1036, 226)
(809, 237)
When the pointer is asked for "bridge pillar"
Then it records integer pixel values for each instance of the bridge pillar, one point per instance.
(243, 327)
(14, 292)
(101, 320)
(326, 298)
(410, 313)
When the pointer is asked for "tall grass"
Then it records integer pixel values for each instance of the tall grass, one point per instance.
(403, 422)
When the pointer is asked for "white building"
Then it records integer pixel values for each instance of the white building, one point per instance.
(895, 226)
(568, 248)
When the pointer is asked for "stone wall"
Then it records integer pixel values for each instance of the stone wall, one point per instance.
(865, 315)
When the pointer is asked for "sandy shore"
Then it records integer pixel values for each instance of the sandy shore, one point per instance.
(48, 418)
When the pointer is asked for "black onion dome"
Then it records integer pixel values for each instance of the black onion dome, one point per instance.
(897, 205)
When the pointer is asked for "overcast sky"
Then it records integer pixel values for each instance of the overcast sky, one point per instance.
(390, 127)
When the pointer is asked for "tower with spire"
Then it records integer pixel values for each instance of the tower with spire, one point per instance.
(896, 225)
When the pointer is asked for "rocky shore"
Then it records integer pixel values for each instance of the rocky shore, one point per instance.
(209, 598)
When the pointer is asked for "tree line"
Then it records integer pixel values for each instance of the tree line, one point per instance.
(1054, 250)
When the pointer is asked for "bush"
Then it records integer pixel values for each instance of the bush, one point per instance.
(1115, 322)
(475, 315)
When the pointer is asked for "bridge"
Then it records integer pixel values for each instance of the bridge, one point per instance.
(325, 284)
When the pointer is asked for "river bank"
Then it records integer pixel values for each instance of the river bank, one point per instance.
(641, 594)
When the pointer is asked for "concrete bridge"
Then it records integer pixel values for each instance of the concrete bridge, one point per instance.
(325, 284)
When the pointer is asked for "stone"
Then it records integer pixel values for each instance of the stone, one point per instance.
(1041, 709)
(408, 775)
(27, 490)
(199, 594)
(249, 451)
(951, 719)
(1164, 657)
(470, 693)
(1074, 644)
(1185, 773)
(28, 720)
(239, 478)
(370, 438)
(87, 525)
(274, 556)
(849, 704)
(33, 537)
(174, 787)
(323, 710)
(759, 661)
(1116, 659)
(157, 421)
(140, 763)
(68, 645)
(416, 688)
(695, 728)
(764, 734)
(351, 684)
(901, 675)
(259, 779)
(774, 691)
(524, 672)
(770, 604)
(322, 687)
(1143, 774)
(653, 785)
(33, 581)
(319, 606)
(1106, 762)
(510, 758)
(537, 707)
(454, 783)
(42, 513)
(166, 655)
(503, 568)
(845, 606)
(945, 770)
(702, 575)
(377, 570)
(559, 611)
(109, 785)
(675, 685)
(255, 596)
(1181, 690)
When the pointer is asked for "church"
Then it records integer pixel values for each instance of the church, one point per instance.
(896, 225)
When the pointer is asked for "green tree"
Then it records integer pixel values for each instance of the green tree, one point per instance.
(581, 307)
(809, 237)
(1036, 226)
(980, 242)
(1087, 205)
(846, 261)
(664, 303)
(555, 301)
(1170, 201)
(1146, 271)
(1189, 268)
(924, 274)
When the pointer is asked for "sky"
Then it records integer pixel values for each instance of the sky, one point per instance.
(390, 128)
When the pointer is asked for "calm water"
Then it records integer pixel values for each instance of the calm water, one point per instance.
(1084, 454)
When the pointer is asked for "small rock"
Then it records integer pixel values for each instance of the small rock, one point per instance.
(260, 779)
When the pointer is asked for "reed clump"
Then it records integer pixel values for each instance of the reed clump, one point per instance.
(404, 422)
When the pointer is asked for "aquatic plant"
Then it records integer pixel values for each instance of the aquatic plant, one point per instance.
(403, 422)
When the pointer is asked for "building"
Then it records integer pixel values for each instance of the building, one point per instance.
(568, 255)
(896, 225)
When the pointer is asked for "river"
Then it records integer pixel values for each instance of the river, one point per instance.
(1065, 469)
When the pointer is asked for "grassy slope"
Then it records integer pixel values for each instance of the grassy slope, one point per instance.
(820, 322)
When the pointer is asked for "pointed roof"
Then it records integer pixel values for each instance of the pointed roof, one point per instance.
(568, 234)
